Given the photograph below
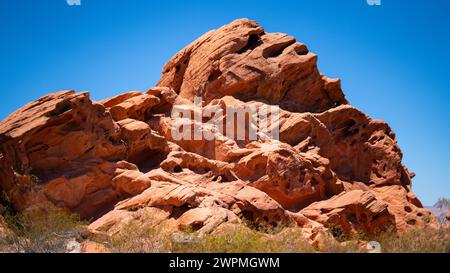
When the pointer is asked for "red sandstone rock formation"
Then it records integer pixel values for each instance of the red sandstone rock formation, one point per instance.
(111, 160)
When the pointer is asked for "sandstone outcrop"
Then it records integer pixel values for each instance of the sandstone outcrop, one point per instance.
(351, 212)
(113, 160)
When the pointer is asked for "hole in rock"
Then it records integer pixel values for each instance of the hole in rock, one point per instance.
(324, 211)
(62, 108)
(349, 132)
(376, 216)
(222, 178)
(254, 41)
(314, 182)
(261, 223)
(411, 222)
(248, 215)
(177, 169)
(344, 171)
(302, 51)
(408, 209)
(196, 226)
(148, 159)
(215, 74)
(337, 232)
(178, 211)
(351, 218)
(276, 50)
(273, 53)
(346, 124)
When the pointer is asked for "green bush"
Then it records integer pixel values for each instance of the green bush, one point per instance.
(42, 229)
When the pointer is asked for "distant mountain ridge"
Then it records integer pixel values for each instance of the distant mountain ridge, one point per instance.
(440, 209)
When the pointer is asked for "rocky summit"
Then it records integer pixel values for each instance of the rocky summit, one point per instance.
(330, 165)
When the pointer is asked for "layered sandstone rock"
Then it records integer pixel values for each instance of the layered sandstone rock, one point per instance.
(115, 160)
(351, 212)
(242, 60)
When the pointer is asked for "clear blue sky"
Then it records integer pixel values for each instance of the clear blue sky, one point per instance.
(393, 59)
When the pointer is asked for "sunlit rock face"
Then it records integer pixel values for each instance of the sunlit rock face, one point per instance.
(329, 165)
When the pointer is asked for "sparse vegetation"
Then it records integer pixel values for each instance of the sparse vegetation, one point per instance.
(147, 236)
(46, 230)
(42, 229)
(240, 239)
(426, 240)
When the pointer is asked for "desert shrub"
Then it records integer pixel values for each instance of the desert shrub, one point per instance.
(427, 240)
(48, 230)
(244, 240)
(237, 239)
(264, 226)
(333, 246)
(149, 236)
(145, 236)
(42, 229)
(4, 234)
(290, 240)
(241, 239)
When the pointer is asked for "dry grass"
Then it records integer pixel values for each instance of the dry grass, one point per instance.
(416, 241)
(48, 230)
(147, 236)
(43, 229)
(240, 239)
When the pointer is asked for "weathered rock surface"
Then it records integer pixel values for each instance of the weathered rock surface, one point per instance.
(114, 160)
(351, 212)
(242, 60)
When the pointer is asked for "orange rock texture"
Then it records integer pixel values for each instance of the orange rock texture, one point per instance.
(331, 166)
